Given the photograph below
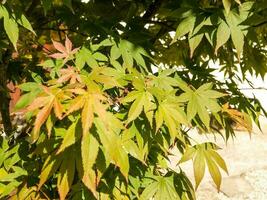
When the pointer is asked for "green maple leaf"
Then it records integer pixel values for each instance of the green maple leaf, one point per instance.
(160, 188)
(201, 101)
(205, 155)
(171, 113)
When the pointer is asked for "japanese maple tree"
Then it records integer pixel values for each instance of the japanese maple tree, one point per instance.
(110, 88)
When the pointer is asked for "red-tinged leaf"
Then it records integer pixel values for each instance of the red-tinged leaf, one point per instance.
(45, 104)
(68, 44)
(65, 51)
(69, 74)
(58, 109)
(76, 104)
(49, 124)
(58, 55)
(91, 104)
(38, 103)
(64, 78)
(46, 89)
(58, 46)
(66, 175)
(240, 118)
(75, 50)
(87, 115)
(41, 118)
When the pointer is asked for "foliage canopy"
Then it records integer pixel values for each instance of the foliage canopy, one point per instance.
(110, 87)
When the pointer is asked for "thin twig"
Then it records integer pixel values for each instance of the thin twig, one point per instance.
(63, 30)
(252, 88)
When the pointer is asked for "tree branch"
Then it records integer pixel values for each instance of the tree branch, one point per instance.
(32, 6)
(257, 88)
(162, 23)
(260, 24)
(152, 9)
(62, 30)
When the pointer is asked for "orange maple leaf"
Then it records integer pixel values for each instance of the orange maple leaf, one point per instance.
(49, 99)
(69, 74)
(240, 118)
(65, 51)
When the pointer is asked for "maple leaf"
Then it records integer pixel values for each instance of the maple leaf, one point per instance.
(205, 155)
(170, 112)
(201, 101)
(48, 99)
(142, 100)
(240, 118)
(69, 74)
(65, 51)
(91, 102)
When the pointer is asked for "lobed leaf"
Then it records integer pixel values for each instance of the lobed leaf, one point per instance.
(12, 30)
(89, 150)
(66, 175)
(72, 135)
(223, 34)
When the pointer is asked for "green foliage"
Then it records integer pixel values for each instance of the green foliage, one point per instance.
(103, 118)
(11, 23)
(205, 154)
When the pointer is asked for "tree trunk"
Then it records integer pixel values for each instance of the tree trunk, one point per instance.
(4, 95)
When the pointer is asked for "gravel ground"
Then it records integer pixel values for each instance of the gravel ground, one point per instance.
(246, 159)
(257, 179)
